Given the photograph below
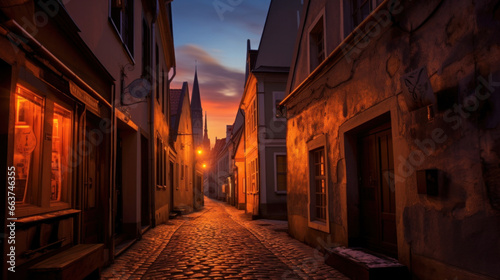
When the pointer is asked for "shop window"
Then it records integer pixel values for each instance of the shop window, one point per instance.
(61, 135)
(31, 112)
(27, 141)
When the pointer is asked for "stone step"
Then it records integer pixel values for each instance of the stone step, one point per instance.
(361, 264)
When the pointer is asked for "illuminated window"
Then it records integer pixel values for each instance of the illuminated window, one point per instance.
(61, 135)
(27, 151)
(319, 183)
(31, 112)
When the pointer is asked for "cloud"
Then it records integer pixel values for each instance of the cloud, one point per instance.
(220, 86)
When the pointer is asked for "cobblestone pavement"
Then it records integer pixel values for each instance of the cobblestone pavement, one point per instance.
(220, 243)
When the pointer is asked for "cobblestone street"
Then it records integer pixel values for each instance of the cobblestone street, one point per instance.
(220, 243)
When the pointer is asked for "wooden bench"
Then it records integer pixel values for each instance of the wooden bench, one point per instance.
(75, 263)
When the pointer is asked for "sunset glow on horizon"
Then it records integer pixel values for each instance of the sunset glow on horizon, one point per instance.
(213, 39)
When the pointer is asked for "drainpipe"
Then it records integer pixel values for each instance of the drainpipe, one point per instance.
(152, 136)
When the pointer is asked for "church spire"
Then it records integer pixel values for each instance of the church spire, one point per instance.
(206, 141)
(195, 97)
(196, 111)
(206, 127)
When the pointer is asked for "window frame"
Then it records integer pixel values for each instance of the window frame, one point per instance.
(319, 142)
(129, 46)
(320, 18)
(276, 190)
(39, 197)
(348, 23)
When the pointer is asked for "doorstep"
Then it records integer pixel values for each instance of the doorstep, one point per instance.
(361, 264)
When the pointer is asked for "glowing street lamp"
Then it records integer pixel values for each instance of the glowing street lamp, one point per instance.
(199, 151)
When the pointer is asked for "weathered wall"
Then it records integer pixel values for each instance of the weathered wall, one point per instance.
(453, 234)
(183, 191)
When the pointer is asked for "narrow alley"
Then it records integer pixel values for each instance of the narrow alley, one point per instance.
(220, 243)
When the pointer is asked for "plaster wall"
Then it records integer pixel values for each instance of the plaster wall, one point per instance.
(456, 232)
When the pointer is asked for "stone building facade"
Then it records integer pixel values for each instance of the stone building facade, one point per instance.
(87, 109)
(393, 118)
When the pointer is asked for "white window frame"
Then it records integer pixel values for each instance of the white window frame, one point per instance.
(318, 142)
(276, 173)
(321, 16)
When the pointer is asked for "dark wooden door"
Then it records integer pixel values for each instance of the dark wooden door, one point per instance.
(376, 191)
(92, 216)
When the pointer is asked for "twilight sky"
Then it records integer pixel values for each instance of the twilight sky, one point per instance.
(214, 33)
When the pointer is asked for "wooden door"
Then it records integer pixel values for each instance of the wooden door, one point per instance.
(92, 216)
(376, 191)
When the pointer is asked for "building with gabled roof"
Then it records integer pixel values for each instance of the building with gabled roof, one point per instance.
(182, 157)
(265, 132)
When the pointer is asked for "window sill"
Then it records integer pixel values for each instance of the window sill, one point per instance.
(47, 217)
(29, 210)
(321, 226)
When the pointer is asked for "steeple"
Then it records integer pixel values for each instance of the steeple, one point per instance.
(196, 111)
(206, 141)
(195, 97)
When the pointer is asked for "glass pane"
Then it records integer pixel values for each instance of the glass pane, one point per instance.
(61, 141)
(28, 128)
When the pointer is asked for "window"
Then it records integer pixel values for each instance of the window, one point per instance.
(318, 185)
(359, 10)
(157, 76)
(27, 141)
(316, 44)
(122, 17)
(163, 91)
(31, 111)
(182, 171)
(61, 141)
(161, 163)
(253, 179)
(252, 116)
(280, 169)
(146, 51)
